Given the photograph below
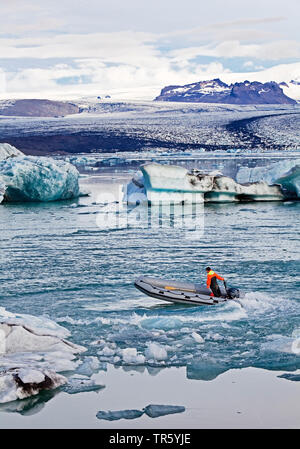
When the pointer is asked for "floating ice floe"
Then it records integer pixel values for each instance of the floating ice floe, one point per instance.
(32, 352)
(165, 184)
(31, 178)
(119, 414)
(289, 376)
(152, 410)
(89, 366)
(80, 384)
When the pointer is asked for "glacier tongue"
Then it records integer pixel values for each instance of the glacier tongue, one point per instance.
(30, 178)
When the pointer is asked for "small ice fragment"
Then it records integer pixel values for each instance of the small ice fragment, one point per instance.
(154, 411)
(131, 356)
(89, 366)
(156, 352)
(197, 337)
(119, 414)
(80, 384)
(107, 352)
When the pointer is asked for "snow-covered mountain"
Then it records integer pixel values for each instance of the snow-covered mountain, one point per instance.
(216, 91)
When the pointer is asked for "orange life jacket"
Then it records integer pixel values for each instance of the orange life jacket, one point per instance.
(210, 275)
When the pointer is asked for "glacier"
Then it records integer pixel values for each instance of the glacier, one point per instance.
(32, 178)
(165, 184)
(33, 351)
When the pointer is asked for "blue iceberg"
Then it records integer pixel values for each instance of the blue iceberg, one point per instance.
(31, 178)
(284, 173)
(166, 184)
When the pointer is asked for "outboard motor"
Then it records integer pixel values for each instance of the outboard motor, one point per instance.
(233, 293)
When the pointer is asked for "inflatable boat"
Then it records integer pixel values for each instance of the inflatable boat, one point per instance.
(184, 292)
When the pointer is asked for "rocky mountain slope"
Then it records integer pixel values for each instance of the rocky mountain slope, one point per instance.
(216, 91)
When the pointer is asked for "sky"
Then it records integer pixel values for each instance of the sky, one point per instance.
(131, 48)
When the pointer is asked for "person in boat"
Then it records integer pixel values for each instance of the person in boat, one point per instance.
(212, 282)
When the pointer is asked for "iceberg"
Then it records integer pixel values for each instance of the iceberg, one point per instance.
(166, 184)
(33, 350)
(30, 178)
(284, 173)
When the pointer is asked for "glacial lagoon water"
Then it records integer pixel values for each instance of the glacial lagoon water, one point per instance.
(75, 262)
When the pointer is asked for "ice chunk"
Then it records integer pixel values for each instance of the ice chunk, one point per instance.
(156, 352)
(89, 366)
(20, 384)
(107, 352)
(119, 414)
(39, 325)
(197, 337)
(32, 351)
(289, 376)
(29, 178)
(7, 151)
(22, 339)
(131, 356)
(134, 191)
(79, 384)
(154, 411)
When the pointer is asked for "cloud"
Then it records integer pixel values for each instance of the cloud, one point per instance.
(121, 46)
(235, 49)
(65, 47)
(91, 76)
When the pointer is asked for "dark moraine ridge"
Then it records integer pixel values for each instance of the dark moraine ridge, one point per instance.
(84, 142)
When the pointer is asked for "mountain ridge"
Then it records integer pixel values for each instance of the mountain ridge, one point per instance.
(216, 91)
